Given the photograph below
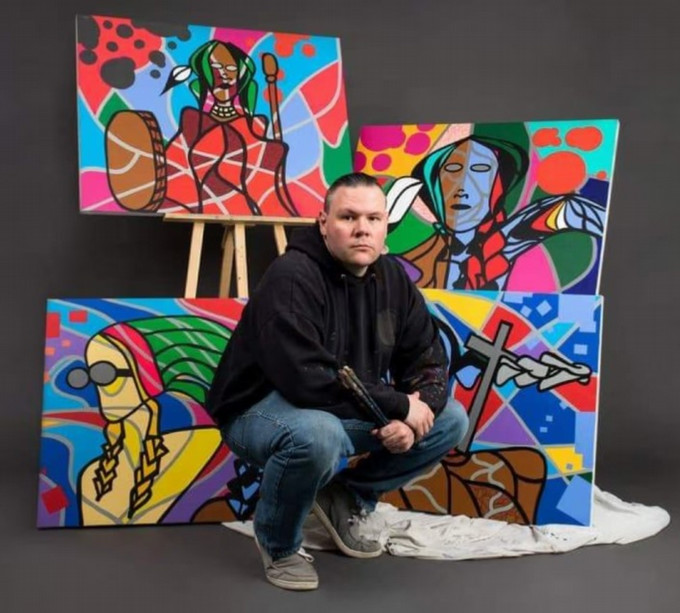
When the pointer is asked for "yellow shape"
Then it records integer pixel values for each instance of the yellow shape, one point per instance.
(566, 459)
(551, 221)
(473, 311)
(197, 447)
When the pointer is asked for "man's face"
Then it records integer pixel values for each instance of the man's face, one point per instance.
(225, 73)
(467, 179)
(355, 227)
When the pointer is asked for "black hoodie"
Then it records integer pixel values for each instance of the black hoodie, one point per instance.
(309, 316)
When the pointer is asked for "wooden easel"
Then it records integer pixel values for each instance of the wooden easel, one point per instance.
(234, 253)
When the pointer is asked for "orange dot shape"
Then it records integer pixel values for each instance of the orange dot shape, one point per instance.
(546, 137)
(602, 174)
(279, 95)
(285, 43)
(283, 48)
(561, 172)
(308, 50)
(586, 139)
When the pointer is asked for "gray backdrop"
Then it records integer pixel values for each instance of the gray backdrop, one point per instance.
(405, 61)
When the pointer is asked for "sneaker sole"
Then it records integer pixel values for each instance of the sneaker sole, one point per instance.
(298, 586)
(341, 545)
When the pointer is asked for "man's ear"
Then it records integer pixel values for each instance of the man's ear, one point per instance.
(322, 222)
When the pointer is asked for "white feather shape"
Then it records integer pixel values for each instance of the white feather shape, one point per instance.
(401, 196)
(181, 73)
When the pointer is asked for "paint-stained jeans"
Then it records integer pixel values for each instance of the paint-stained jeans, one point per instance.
(301, 449)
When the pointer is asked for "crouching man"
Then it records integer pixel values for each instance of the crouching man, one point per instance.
(333, 300)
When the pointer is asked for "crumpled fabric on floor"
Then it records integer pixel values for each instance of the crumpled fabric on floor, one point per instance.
(445, 537)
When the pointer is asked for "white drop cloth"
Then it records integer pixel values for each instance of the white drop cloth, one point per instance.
(444, 537)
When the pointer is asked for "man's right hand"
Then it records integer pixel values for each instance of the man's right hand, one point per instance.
(420, 417)
(396, 436)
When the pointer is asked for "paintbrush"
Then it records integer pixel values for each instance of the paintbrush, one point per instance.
(350, 381)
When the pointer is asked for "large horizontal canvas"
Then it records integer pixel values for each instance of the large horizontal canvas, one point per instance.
(126, 439)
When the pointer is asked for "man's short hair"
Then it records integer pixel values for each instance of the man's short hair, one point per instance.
(353, 179)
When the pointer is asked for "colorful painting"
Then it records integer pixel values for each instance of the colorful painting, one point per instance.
(526, 367)
(508, 206)
(125, 438)
(126, 441)
(207, 120)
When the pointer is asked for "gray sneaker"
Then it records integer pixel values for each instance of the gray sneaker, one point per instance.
(294, 572)
(337, 511)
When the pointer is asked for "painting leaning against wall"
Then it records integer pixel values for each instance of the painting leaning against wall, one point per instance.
(526, 368)
(207, 120)
(125, 438)
(509, 206)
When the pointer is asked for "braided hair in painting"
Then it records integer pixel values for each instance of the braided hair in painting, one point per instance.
(165, 354)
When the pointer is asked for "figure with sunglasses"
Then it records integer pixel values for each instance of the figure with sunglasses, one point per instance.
(143, 472)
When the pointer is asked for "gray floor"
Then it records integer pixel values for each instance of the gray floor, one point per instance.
(191, 568)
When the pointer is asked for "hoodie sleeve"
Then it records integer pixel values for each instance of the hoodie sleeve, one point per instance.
(419, 362)
(289, 349)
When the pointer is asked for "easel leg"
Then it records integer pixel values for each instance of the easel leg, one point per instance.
(194, 259)
(241, 261)
(227, 261)
(280, 238)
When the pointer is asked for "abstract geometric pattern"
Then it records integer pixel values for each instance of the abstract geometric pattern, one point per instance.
(125, 438)
(526, 367)
(511, 206)
(198, 119)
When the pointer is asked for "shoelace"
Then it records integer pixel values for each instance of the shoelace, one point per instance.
(360, 516)
(304, 555)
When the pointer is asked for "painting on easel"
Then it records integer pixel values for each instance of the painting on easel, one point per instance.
(207, 120)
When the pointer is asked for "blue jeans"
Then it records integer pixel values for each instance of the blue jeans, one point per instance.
(300, 450)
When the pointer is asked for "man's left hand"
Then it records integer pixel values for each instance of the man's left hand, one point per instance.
(396, 436)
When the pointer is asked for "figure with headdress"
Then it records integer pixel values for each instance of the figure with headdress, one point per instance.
(475, 243)
(220, 160)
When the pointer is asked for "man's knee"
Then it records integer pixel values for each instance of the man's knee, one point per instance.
(453, 422)
(319, 441)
